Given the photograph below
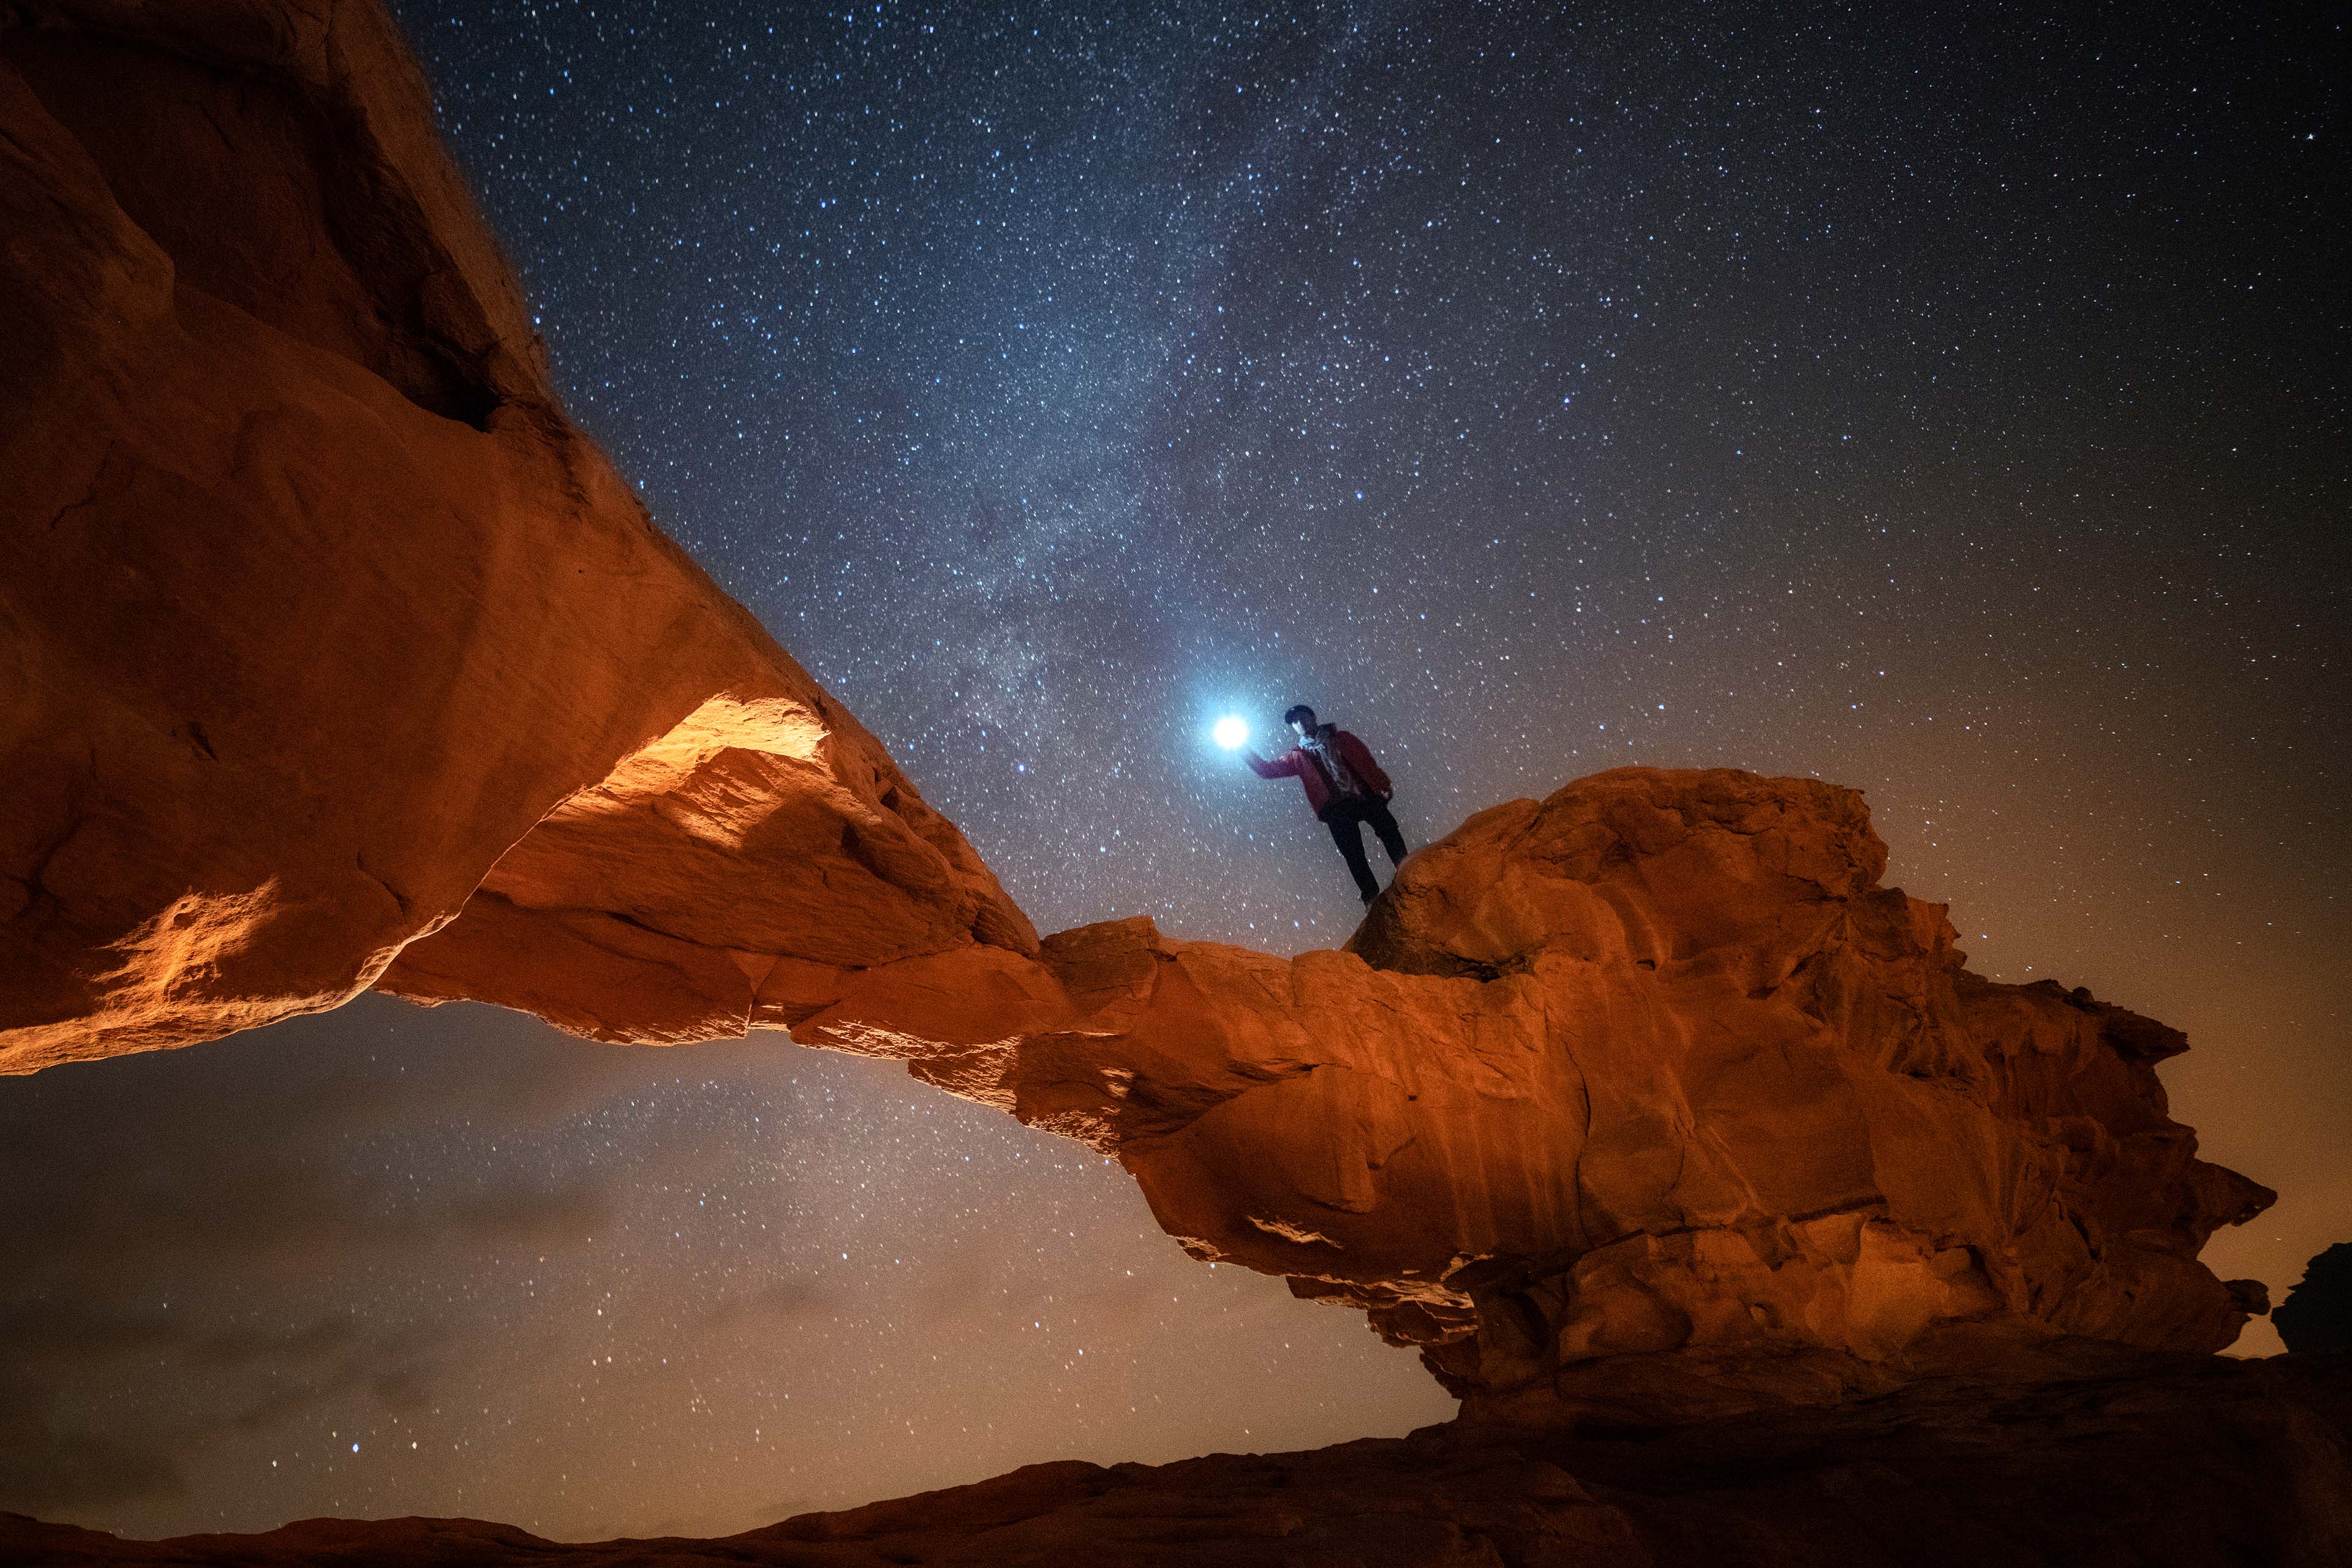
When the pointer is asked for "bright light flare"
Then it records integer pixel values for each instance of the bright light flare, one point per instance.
(1231, 731)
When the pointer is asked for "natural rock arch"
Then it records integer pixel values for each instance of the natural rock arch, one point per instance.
(337, 657)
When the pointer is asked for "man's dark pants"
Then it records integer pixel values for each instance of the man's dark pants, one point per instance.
(1345, 819)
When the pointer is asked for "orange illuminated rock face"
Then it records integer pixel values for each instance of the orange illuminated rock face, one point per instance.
(336, 656)
(1799, 1139)
(1645, 1094)
(315, 608)
(724, 875)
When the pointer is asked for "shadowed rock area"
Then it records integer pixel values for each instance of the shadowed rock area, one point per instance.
(2316, 1319)
(2180, 1461)
(1742, 1216)
(1642, 1096)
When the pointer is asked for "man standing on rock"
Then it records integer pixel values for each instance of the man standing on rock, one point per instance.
(1344, 788)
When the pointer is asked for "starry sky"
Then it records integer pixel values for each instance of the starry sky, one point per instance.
(1948, 401)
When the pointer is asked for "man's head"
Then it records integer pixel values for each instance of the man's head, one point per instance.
(1301, 719)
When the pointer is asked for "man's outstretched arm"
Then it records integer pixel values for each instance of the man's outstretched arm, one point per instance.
(1285, 766)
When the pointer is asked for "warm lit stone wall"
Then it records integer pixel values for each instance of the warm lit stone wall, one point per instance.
(314, 606)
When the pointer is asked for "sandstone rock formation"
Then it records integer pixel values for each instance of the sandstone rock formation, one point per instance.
(2316, 1319)
(2208, 1462)
(334, 656)
(316, 608)
(331, 655)
(1645, 1093)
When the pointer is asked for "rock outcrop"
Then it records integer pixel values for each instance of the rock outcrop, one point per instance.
(2207, 1462)
(335, 657)
(1739, 1213)
(2316, 1319)
(1644, 1094)
(316, 608)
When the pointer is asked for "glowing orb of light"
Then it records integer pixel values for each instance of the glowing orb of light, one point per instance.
(1231, 731)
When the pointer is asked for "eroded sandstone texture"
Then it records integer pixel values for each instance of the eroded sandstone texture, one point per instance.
(314, 606)
(1645, 1093)
(335, 656)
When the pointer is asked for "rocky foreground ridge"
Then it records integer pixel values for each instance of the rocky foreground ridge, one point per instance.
(2195, 1462)
(333, 656)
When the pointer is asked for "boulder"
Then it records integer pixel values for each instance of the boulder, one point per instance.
(2316, 1319)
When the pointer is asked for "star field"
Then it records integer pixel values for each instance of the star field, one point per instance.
(1946, 401)
(484, 1268)
(1532, 391)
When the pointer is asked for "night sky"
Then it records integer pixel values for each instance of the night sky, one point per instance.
(1946, 401)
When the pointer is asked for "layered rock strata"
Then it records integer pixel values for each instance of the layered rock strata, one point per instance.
(315, 608)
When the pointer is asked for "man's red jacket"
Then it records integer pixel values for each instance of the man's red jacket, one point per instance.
(1296, 764)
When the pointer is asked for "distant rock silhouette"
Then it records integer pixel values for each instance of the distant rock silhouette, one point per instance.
(2187, 1465)
(2316, 1319)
